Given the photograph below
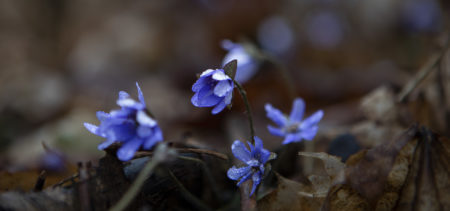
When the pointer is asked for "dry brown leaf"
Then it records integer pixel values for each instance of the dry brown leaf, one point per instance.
(290, 195)
(410, 172)
(333, 164)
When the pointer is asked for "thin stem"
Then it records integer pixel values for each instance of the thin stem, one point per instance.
(188, 195)
(247, 107)
(140, 154)
(136, 186)
(207, 172)
(289, 83)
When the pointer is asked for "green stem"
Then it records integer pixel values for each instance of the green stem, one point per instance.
(134, 189)
(247, 107)
(188, 195)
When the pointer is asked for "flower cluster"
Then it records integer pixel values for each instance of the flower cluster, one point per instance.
(254, 161)
(213, 89)
(131, 125)
(292, 128)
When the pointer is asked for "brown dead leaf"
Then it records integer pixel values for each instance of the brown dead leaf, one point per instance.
(410, 172)
(290, 195)
(333, 164)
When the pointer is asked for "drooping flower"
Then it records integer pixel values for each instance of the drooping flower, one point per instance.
(213, 89)
(247, 65)
(254, 161)
(291, 127)
(131, 125)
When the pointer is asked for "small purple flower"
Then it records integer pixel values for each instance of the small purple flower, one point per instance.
(247, 65)
(254, 161)
(131, 125)
(213, 89)
(292, 127)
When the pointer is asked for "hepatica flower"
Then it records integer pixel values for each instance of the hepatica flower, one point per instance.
(131, 126)
(254, 161)
(291, 127)
(213, 89)
(247, 65)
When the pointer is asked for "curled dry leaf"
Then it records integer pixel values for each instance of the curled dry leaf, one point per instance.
(333, 164)
(290, 195)
(410, 172)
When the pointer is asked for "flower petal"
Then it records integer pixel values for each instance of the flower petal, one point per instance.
(207, 72)
(219, 107)
(126, 152)
(143, 119)
(123, 95)
(222, 88)
(140, 94)
(256, 180)
(92, 128)
(240, 151)
(155, 138)
(292, 137)
(219, 75)
(244, 178)
(102, 116)
(311, 120)
(105, 144)
(200, 83)
(298, 108)
(309, 133)
(275, 115)
(235, 173)
(275, 131)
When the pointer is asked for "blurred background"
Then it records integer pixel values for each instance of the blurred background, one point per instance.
(61, 61)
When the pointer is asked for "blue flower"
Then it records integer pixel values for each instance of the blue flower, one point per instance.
(292, 127)
(131, 125)
(247, 65)
(254, 161)
(213, 89)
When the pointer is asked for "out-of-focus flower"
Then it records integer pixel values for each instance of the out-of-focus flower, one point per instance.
(324, 30)
(213, 89)
(275, 35)
(247, 65)
(292, 127)
(421, 15)
(254, 161)
(131, 125)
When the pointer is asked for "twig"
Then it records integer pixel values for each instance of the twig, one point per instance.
(207, 172)
(40, 181)
(247, 107)
(71, 178)
(134, 189)
(199, 205)
(198, 151)
(83, 189)
(419, 77)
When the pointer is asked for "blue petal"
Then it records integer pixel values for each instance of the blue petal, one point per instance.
(292, 137)
(244, 178)
(312, 120)
(309, 133)
(155, 138)
(240, 151)
(207, 73)
(298, 107)
(121, 132)
(200, 83)
(222, 88)
(105, 144)
(275, 131)
(102, 116)
(143, 119)
(140, 94)
(92, 128)
(256, 180)
(219, 75)
(206, 97)
(126, 152)
(219, 107)
(275, 115)
(123, 95)
(235, 173)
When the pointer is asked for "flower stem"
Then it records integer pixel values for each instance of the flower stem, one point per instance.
(136, 186)
(247, 107)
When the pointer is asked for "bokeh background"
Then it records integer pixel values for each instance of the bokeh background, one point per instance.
(61, 61)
